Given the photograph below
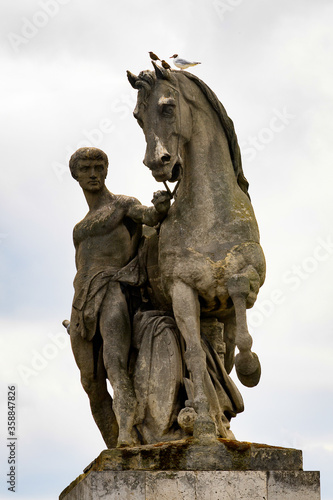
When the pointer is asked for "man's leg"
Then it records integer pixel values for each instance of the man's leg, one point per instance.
(116, 333)
(96, 388)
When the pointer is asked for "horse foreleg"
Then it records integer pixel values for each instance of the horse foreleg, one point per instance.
(186, 308)
(246, 362)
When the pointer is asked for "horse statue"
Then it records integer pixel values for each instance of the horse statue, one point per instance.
(210, 260)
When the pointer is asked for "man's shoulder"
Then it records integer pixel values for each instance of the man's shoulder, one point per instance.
(126, 201)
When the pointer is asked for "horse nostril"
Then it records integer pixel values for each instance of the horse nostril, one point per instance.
(166, 158)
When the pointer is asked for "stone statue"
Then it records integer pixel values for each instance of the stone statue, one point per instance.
(161, 310)
(210, 261)
(100, 331)
(160, 313)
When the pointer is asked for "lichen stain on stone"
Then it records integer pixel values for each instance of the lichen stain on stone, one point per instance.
(72, 485)
(232, 444)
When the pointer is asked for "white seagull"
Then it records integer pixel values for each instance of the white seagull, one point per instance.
(182, 63)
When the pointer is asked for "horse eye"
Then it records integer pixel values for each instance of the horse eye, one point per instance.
(168, 109)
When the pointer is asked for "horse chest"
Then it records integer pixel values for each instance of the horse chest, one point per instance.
(179, 238)
(180, 252)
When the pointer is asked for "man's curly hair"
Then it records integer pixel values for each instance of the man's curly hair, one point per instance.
(86, 154)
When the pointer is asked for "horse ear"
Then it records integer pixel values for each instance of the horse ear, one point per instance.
(161, 73)
(132, 79)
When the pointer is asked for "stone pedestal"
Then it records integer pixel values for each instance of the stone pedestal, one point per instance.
(187, 470)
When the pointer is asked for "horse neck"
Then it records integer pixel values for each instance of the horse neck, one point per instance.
(208, 175)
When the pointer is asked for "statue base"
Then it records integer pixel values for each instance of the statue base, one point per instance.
(188, 469)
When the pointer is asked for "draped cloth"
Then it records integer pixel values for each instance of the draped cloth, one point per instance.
(90, 288)
(89, 292)
(159, 379)
(157, 376)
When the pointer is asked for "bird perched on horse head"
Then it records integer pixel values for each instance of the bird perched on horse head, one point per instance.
(153, 56)
(182, 63)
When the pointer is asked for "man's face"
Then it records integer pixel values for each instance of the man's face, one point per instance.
(91, 174)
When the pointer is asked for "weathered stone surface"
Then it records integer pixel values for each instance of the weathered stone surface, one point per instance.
(198, 485)
(223, 454)
(221, 485)
(111, 485)
(186, 470)
(168, 485)
(298, 485)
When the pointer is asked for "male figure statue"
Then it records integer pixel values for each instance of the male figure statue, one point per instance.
(105, 241)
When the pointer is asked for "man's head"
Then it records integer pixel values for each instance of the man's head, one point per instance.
(86, 154)
(89, 166)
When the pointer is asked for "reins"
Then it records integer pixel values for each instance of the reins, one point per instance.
(174, 192)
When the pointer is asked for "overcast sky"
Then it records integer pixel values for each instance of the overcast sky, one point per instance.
(63, 85)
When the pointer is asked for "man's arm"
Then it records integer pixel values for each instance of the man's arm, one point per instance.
(150, 216)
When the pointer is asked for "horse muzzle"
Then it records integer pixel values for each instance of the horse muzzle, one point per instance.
(165, 170)
(163, 165)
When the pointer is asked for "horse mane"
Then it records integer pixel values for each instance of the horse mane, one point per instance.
(146, 81)
(228, 127)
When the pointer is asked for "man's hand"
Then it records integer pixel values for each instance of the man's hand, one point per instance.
(161, 202)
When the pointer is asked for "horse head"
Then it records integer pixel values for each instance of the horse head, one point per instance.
(166, 102)
(165, 117)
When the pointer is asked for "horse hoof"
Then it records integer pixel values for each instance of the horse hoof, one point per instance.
(204, 429)
(123, 444)
(248, 368)
(125, 440)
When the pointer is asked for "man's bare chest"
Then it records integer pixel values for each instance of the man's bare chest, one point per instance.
(101, 222)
